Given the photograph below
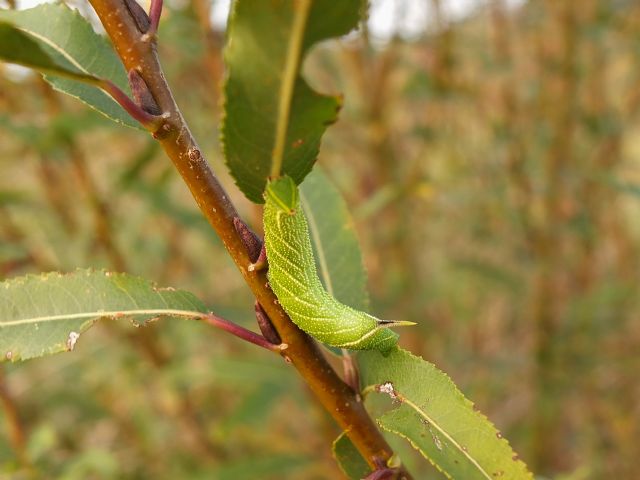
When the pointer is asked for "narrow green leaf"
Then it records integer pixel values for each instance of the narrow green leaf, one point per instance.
(335, 245)
(258, 59)
(57, 40)
(437, 419)
(18, 47)
(349, 459)
(46, 314)
(334, 240)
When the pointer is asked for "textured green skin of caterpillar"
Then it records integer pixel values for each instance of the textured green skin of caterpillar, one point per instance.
(294, 279)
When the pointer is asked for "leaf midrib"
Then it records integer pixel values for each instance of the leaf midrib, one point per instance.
(435, 424)
(65, 54)
(103, 313)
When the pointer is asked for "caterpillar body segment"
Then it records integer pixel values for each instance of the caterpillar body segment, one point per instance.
(293, 277)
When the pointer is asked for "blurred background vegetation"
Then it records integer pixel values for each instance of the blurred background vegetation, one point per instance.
(491, 162)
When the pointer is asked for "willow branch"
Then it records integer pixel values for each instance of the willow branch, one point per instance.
(180, 146)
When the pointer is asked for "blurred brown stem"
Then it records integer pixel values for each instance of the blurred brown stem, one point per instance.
(17, 429)
(509, 121)
(557, 105)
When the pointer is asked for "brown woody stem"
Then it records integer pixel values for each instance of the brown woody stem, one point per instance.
(178, 143)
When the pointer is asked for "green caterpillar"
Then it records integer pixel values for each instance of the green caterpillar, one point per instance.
(294, 279)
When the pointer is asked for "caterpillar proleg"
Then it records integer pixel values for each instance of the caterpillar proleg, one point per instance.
(294, 279)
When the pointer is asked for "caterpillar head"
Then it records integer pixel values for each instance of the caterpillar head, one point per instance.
(283, 192)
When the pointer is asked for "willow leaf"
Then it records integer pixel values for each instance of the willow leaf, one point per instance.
(438, 420)
(334, 240)
(19, 47)
(335, 244)
(45, 314)
(264, 89)
(60, 43)
(349, 459)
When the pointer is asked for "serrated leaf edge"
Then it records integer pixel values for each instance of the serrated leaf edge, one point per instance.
(92, 317)
(243, 185)
(399, 397)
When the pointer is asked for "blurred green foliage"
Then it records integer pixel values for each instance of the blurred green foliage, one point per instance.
(492, 165)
